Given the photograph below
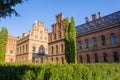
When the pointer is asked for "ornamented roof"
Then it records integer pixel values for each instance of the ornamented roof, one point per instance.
(99, 23)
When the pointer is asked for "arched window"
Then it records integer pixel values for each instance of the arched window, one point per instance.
(26, 48)
(81, 60)
(54, 36)
(52, 59)
(57, 60)
(80, 45)
(41, 50)
(23, 49)
(96, 57)
(116, 57)
(113, 38)
(33, 49)
(105, 57)
(88, 59)
(87, 43)
(51, 50)
(103, 40)
(62, 48)
(56, 49)
(94, 42)
(20, 50)
(62, 60)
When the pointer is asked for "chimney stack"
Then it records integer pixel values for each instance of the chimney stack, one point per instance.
(99, 14)
(94, 17)
(86, 19)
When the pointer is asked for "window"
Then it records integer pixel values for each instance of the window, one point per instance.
(103, 40)
(80, 45)
(51, 50)
(26, 48)
(33, 49)
(116, 57)
(55, 36)
(94, 42)
(20, 50)
(96, 57)
(81, 60)
(62, 48)
(41, 50)
(105, 56)
(87, 43)
(57, 60)
(113, 38)
(23, 49)
(88, 59)
(56, 49)
(11, 51)
(59, 33)
(52, 59)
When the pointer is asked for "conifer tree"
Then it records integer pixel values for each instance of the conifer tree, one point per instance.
(70, 41)
(6, 7)
(3, 43)
(67, 40)
(72, 37)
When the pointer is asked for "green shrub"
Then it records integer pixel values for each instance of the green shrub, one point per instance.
(15, 71)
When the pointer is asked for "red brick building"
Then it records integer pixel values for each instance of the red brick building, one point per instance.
(99, 40)
(56, 42)
(11, 49)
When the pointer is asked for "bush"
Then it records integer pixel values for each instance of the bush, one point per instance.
(15, 71)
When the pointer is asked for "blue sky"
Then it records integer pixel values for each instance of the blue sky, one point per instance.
(46, 10)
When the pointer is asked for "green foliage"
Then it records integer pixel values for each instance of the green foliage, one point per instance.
(17, 71)
(6, 7)
(67, 41)
(3, 43)
(70, 41)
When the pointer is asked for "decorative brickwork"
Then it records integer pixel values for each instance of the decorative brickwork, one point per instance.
(11, 49)
(97, 41)
(103, 41)
(36, 42)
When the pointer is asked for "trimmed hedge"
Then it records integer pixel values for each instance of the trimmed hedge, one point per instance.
(16, 71)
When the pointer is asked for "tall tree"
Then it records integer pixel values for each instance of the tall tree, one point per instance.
(3, 43)
(70, 41)
(67, 41)
(72, 37)
(6, 7)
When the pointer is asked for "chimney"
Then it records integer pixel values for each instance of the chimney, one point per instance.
(99, 14)
(86, 19)
(94, 17)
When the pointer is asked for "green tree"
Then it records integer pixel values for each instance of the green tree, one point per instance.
(70, 41)
(6, 7)
(67, 45)
(3, 43)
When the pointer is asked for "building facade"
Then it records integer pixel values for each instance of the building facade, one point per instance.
(33, 45)
(11, 49)
(56, 42)
(99, 40)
